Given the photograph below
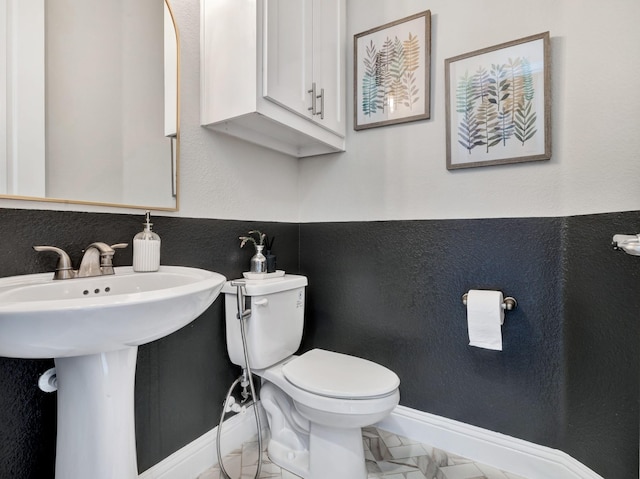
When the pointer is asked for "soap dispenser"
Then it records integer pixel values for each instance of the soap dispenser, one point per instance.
(146, 248)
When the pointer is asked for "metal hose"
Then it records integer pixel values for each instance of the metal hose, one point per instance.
(243, 314)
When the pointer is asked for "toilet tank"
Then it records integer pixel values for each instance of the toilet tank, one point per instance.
(274, 329)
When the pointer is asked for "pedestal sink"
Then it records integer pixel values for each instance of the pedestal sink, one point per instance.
(92, 328)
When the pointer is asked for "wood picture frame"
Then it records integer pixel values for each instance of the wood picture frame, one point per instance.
(498, 104)
(392, 73)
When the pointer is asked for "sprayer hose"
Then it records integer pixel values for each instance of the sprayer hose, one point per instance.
(225, 474)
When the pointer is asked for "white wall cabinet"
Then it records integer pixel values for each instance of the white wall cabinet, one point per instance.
(273, 73)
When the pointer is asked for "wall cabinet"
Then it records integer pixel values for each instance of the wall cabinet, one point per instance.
(273, 73)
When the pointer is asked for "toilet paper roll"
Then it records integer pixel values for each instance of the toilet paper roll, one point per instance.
(485, 316)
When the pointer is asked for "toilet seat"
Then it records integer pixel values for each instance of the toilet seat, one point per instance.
(336, 375)
(344, 408)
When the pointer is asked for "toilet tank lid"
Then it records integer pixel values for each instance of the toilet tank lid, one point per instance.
(259, 287)
(339, 375)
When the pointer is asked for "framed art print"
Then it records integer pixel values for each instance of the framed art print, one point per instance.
(498, 104)
(392, 72)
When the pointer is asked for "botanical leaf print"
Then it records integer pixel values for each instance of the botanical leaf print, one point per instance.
(469, 130)
(388, 79)
(495, 105)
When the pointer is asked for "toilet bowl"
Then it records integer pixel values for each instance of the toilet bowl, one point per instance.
(316, 403)
(311, 397)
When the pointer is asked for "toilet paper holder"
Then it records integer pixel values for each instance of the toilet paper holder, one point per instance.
(508, 304)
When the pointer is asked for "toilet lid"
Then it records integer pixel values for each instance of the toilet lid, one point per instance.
(339, 375)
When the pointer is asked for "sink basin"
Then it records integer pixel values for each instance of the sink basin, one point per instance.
(92, 328)
(45, 318)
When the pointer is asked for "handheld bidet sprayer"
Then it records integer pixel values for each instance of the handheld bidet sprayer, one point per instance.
(240, 298)
(243, 313)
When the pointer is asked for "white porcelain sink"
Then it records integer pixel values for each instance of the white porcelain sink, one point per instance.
(45, 318)
(92, 328)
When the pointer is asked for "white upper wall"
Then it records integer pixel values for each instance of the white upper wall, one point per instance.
(399, 172)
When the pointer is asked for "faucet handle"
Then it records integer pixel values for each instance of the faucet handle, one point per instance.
(64, 270)
(106, 258)
(114, 247)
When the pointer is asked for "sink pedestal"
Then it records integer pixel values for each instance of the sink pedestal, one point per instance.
(96, 427)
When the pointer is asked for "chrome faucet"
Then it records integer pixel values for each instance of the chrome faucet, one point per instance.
(97, 260)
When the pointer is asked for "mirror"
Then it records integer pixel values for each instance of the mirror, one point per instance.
(91, 102)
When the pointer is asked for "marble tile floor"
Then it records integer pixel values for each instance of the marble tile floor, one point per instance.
(388, 456)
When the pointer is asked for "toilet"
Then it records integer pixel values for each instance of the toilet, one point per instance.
(316, 403)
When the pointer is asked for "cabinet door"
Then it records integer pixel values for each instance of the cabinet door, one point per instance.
(329, 62)
(287, 54)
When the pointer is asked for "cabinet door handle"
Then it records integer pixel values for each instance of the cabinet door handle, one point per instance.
(312, 108)
(321, 96)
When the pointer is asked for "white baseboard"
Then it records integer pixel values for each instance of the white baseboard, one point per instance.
(199, 455)
(498, 450)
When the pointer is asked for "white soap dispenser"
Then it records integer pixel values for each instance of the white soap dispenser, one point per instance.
(146, 248)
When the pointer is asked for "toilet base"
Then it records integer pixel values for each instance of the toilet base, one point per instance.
(336, 453)
(296, 462)
(308, 449)
(333, 453)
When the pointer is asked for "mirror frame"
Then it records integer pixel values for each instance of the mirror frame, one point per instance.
(176, 172)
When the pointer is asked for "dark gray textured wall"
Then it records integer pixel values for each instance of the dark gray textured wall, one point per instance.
(568, 376)
(602, 325)
(180, 380)
(390, 291)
